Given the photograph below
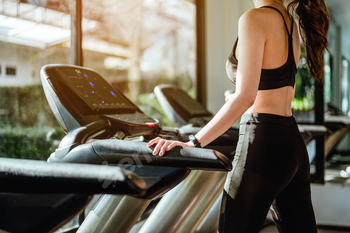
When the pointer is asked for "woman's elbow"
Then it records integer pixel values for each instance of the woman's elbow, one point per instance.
(248, 103)
(246, 100)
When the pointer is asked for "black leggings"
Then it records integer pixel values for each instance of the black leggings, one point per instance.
(270, 171)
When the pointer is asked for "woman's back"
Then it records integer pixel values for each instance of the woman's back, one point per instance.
(276, 50)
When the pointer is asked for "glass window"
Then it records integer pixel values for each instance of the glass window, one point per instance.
(138, 44)
(345, 86)
(134, 44)
(10, 71)
(328, 76)
(32, 34)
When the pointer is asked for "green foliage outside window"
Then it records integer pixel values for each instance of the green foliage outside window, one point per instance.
(28, 129)
(29, 142)
(304, 99)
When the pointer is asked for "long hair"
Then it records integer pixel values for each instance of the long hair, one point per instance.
(314, 22)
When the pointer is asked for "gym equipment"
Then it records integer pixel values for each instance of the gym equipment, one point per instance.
(339, 126)
(36, 196)
(90, 110)
(179, 107)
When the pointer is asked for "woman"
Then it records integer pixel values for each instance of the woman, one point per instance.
(271, 166)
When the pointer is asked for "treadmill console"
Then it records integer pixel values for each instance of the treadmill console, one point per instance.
(99, 95)
(79, 96)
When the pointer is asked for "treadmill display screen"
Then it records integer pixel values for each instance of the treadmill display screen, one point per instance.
(94, 90)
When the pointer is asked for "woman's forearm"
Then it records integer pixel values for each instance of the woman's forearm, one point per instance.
(229, 113)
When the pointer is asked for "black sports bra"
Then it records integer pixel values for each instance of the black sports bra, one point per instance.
(278, 77)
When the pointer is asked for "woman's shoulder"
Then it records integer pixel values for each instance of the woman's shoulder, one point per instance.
(252, 19)
(251, 14)
(257, 18)
(259, 14)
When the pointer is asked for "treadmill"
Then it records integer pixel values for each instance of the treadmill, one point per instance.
(36, 196)
(105, 128)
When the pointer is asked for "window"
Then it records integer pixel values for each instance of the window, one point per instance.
(328, 74)
(10, 71)
(345, 86)
(138, 44)
(134, 44)
(32, 34)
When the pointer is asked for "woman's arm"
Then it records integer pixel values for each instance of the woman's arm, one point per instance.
(250, 52)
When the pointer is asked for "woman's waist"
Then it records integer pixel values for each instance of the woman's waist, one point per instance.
(273, 109)
(277, 101)
(270, 118)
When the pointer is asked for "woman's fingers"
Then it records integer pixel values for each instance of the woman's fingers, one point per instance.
(174, 144)
(163, 145)
(153, 141)
(159, 145)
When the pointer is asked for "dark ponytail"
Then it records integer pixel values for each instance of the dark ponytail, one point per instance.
(313, 26)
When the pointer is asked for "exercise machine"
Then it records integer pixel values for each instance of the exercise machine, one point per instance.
(36, 196)
(104, 127)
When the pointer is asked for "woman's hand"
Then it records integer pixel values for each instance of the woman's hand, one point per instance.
(163, 145)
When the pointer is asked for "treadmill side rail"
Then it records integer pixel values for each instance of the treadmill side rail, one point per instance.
(118, 151)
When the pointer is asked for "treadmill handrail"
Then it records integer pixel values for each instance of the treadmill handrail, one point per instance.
(337, 119)
(138, 153)
(312, 128)
(32, 176)
(79, 136)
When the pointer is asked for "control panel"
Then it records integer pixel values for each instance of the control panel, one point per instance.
(79, 96)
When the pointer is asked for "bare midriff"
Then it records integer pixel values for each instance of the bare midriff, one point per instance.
(276, 101)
